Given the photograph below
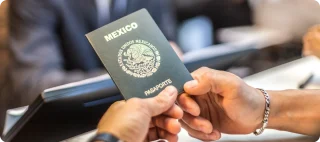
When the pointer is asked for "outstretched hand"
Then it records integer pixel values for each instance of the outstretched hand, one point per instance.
(219, 102)
(138, 120)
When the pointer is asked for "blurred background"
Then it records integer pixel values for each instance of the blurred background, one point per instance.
(42, 42)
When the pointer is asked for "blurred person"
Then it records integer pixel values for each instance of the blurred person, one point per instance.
(195, 33)
(229, 13)
(47, 43)
(138, 120)
(219, 102)
(48, 47)
(311, 42)
(213, 13)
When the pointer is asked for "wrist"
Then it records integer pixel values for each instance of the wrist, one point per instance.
(260, 108)
(275, 110)
(266, 112)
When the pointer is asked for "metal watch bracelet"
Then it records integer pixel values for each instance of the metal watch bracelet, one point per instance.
(266, 113)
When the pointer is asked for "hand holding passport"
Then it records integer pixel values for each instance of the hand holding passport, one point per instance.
(130, 120)
(138, 57)
(142, 63)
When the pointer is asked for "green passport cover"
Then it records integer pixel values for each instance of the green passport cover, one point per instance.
(138, 57)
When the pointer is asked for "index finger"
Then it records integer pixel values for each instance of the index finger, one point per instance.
(201, 83)
(188, 104)
(213, 81)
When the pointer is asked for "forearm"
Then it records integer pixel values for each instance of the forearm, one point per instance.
(295, 111)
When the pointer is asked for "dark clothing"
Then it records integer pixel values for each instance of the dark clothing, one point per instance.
(47, 39)
(48, 45)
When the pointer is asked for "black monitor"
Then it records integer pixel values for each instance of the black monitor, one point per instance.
(219, 57)
(65, 111)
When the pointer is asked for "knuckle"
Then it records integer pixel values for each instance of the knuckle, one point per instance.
(208, 75)
(135, 101)
(182, 100)
(237, 82)
(203, 69)
(144, 112)
(120, 102)
(237, 85)
(137, 104)
(117, 104)
(200, 70)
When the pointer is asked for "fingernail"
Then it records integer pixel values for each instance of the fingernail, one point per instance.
(192, 84)
(171, 90)
(215, 135)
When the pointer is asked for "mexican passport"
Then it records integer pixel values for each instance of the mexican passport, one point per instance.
(138, 57)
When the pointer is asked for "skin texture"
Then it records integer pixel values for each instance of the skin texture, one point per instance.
(219, 102)
(138, 120)
(295, 111)
(126, 119)
(215, 102)
(311, 42)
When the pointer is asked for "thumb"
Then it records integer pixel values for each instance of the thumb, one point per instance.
(161, 103)
(202, 83)
(214, 81)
